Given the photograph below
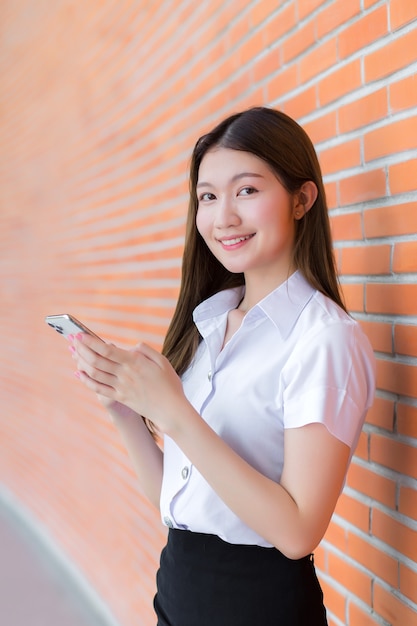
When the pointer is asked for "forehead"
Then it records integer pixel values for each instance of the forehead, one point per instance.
(224, 163)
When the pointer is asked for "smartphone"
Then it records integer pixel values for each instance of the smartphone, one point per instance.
(68, 325)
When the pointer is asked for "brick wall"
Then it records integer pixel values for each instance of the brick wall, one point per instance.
(101, 103)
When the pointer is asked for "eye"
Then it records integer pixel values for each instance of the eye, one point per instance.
(247, 191)
(207, 196)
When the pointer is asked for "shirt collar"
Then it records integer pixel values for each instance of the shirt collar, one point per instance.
(282, 306)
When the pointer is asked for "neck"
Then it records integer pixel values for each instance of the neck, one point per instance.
(256, 290)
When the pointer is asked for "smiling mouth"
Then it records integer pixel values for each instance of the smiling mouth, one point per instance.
(235, 240)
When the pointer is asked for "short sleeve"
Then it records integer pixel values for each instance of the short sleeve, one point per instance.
(329, 379)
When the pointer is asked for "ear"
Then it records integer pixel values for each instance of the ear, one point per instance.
(304, 199)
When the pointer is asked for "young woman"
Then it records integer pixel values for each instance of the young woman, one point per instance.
(260, 393)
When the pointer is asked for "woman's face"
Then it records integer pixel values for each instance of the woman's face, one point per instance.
(245, 215)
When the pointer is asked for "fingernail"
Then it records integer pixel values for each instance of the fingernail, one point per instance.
(79, 336)
(77, 374)
(70, 337)
(71, 349)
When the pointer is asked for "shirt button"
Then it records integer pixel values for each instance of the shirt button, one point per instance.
(209, 375)
(184, 472)
(168, 522)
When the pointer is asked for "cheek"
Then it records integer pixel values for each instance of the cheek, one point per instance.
(202, 223)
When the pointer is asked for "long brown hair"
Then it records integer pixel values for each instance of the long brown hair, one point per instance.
(284, 145)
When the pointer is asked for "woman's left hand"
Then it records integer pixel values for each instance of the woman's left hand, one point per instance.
(140, 378)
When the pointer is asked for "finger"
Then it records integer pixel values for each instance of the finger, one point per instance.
(96, 367)
(103, 378)
(98, 346)
(145, 350)
(90, 360)
(99, 388)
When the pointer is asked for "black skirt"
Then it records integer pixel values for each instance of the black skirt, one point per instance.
(204, 581)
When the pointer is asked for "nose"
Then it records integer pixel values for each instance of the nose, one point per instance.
(226, 215)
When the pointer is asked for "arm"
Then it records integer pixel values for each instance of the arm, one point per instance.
(292, 515)
(144, 453)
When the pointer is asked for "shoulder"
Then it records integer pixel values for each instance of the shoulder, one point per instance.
(326, 337)
(322, 318)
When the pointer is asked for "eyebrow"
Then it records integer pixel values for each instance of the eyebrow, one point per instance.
(234, 178)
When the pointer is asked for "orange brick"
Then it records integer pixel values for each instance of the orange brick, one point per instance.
(298, 41)
(408, 582)
(362, 32)
(396, 299)
(366, 260)
(336, 536)
(279, 85)
(333, 16)
(346, 227)
(402, 12)
(353, 511)
(259, 12)
(266, 65)
(379, 334)
(374, 559)
(354, 579)
(369, 3)
(354, 296)
(357, 615)
(283, 21)
(397, 377)
(342, 81)
(390, 139)
(405, 257)
(390, 607)
(250, 48)
(306, 7)
(236, 31)
(363, 111)
(236, 87)
(393, 454)
(366, 481)
(302, 104)
(318, 60)
(381, 414)
(320, 557)
(361, 187)
(331, 194)
(334, 600)
(392, 57)
(407, 420)
(252, 99)
(395, 534)
(392, 220)
(322, 128)
(408, 502)
(403, 93)
(362, 450)
(402, 176)
(341, 157)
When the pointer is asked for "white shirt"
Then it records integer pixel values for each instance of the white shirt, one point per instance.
(297, 358)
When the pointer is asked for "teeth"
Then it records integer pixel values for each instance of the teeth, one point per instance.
(232, 242)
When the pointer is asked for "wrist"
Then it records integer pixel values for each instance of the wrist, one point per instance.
(184, 423)
(119, 411)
